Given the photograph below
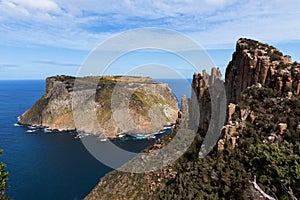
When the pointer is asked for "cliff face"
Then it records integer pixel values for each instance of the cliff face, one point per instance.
(54, 108)
(151, 105)
(263, 108)
(259, 72)
(201, 96)
(257, 63)
(260, 140)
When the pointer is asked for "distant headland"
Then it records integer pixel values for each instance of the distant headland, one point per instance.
(151, 106)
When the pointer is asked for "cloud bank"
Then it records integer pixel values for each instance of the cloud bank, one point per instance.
(51, 62)
(83, 24)
(3, 65)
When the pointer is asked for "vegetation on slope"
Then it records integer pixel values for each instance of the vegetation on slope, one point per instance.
(151, 105)
(3, 180)
(226, 174)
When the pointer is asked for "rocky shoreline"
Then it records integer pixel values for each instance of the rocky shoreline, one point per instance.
(152, 106)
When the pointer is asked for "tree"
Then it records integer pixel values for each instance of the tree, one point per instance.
(3, 179)
(278, 167)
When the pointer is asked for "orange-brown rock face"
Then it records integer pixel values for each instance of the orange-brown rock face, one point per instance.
(151, 105)
(201, 96)
(200, 99)
(254, 62)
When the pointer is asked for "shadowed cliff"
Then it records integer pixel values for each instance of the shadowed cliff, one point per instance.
(257, 153)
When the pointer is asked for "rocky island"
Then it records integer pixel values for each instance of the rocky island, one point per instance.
(151, 105)
(257, 153)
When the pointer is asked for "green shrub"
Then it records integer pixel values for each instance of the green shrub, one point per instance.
(277, 166)
(3, 178)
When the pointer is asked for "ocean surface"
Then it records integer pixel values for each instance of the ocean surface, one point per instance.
(49, 165)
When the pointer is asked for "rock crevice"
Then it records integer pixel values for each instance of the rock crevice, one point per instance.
(257, 63)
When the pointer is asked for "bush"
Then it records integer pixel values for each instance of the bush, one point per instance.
(3, 179)
(277, 166)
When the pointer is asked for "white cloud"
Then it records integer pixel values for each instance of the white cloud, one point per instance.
(216, 2)
(83, 24)
(12, 9)
(46, 5)
(5, 65)
(52, 62)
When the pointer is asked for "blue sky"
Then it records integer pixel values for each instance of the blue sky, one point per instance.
(49, 37)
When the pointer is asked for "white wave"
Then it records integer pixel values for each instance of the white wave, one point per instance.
(46, 130)
(16, 124)
(31, 131)
(121, 135)
(32, 127)
(79, 136)
(151, 137)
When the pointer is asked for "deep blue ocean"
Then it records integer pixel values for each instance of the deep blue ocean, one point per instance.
(50, 165)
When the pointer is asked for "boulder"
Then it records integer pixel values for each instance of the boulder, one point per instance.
(282, 127)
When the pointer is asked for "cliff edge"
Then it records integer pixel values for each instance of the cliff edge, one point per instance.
(257, 154)
(255, 63)
(151, 105)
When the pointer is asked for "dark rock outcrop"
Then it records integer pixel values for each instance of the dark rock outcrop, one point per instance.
(195, 114)
(256, 67)
(257, 72)
(255, 63)
(206, 89)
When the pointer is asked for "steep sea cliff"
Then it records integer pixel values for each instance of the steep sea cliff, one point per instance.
(257, 153)
(150, 104)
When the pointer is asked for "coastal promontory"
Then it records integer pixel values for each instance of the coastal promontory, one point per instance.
(257, 152)
(149, 105)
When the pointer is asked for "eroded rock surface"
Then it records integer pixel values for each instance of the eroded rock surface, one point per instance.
(117, 105)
